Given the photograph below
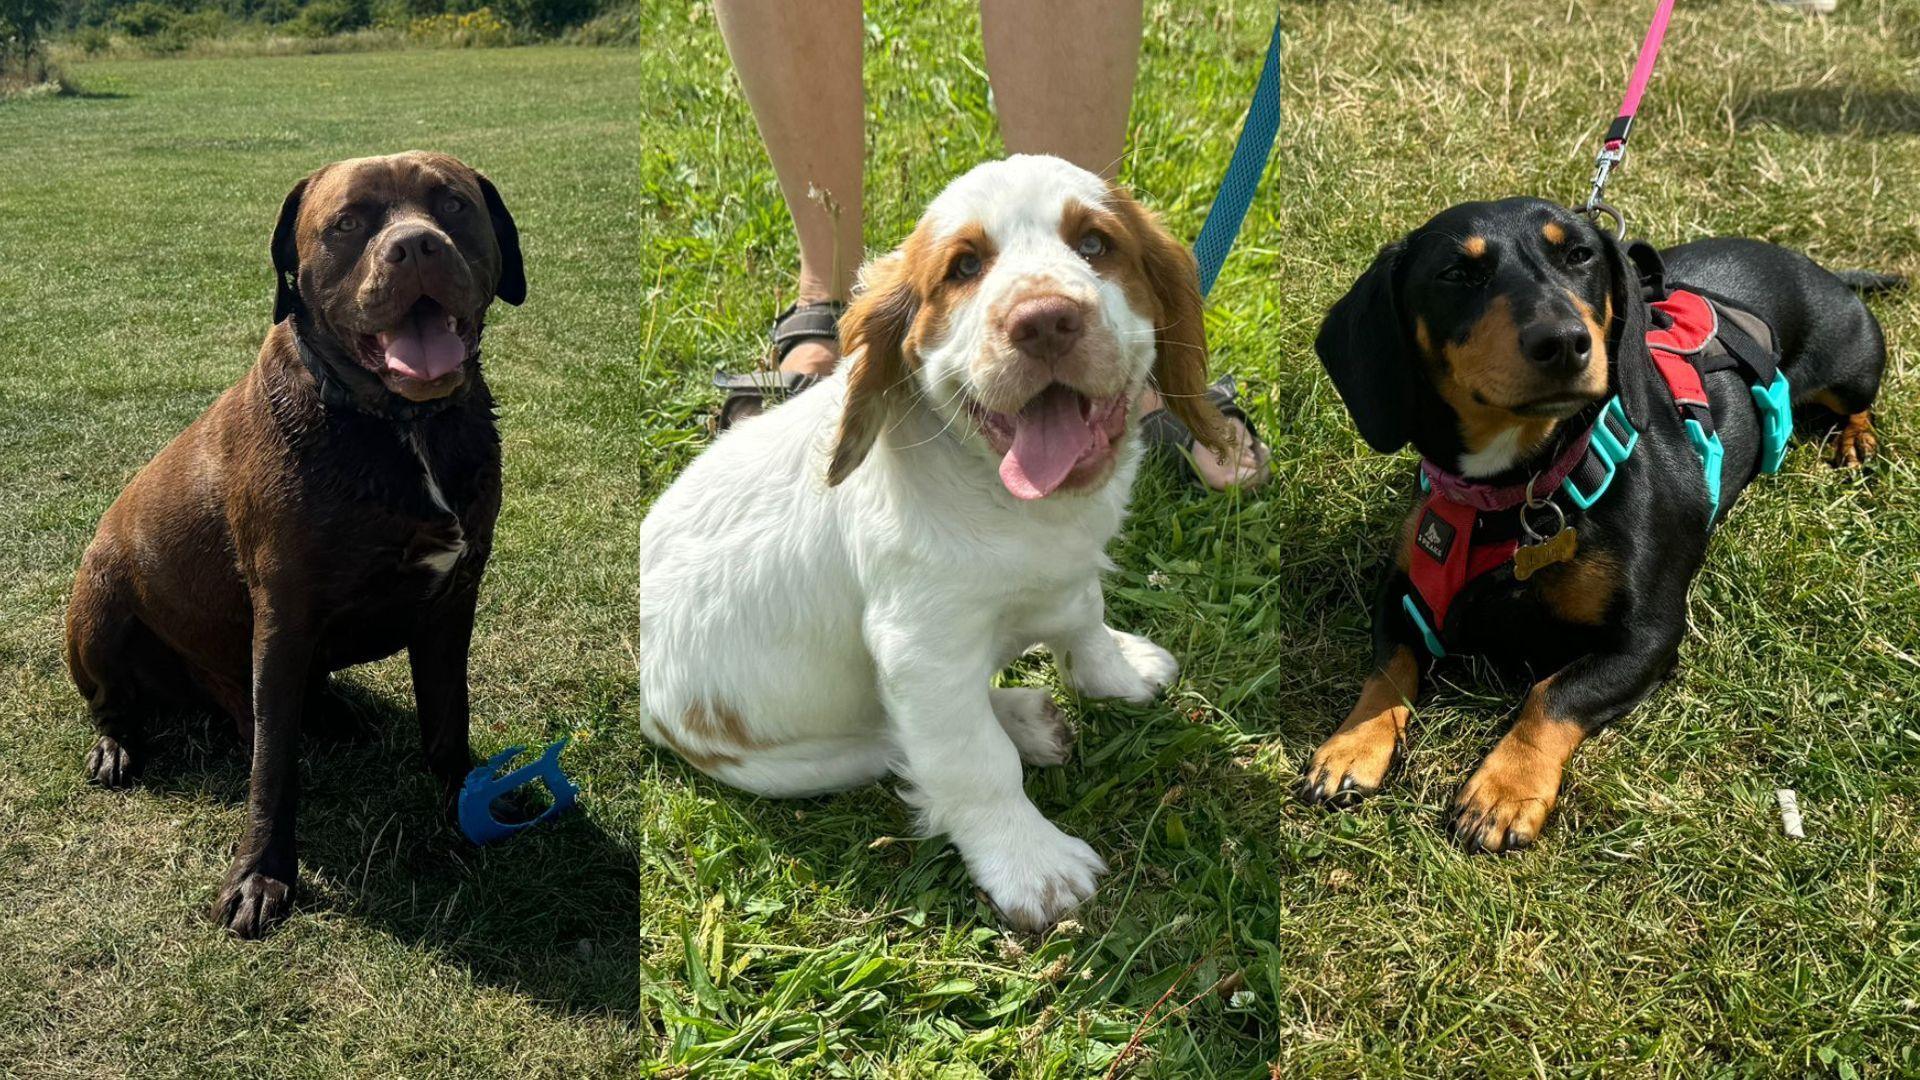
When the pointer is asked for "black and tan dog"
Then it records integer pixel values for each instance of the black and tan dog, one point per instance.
(332, 508)
(1542, 369)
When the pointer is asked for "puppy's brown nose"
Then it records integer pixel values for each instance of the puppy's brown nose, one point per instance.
(414, 245)
(1045, 327)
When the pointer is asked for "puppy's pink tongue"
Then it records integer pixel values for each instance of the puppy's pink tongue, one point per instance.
(423, 348)
(1049, 435)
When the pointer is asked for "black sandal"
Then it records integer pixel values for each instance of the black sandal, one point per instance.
(1164, 433)
(751, 393)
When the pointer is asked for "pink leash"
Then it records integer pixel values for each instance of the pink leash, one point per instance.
(1614, 150)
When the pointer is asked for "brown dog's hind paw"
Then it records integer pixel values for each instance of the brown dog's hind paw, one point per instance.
(1856, 443)
(112, 764)
(1349, 766)
(253, 904)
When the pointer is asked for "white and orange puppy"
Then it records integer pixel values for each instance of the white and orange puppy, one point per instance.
(827, 593)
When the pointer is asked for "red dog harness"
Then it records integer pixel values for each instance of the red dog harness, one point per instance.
(1467, 531)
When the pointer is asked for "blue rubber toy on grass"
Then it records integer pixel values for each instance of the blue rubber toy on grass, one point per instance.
(484, 786)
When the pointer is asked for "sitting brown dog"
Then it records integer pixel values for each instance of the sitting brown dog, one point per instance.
(334, 507)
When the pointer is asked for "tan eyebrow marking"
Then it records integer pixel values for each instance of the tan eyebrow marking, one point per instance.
(1474, 246)
(1553, 232)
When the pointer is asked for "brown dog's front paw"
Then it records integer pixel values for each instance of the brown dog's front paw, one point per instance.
(112, 764)
(253, 904)
(1506, 803)
(1350, 766)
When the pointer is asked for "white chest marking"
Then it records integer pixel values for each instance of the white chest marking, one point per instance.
(1494, 458)
(438, 561)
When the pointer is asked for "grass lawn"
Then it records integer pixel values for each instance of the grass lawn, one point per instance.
(1663, 925)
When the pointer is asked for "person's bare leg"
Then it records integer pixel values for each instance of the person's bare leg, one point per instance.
(1062, 74)
(799, 65)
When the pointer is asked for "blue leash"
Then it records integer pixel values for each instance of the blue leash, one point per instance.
(1249, 164)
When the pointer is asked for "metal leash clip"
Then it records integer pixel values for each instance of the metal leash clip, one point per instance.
(1609, 158)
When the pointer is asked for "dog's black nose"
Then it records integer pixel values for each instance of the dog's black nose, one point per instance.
(417, 245)
(1560, 346)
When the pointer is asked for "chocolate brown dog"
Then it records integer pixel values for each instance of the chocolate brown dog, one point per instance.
(334, 507)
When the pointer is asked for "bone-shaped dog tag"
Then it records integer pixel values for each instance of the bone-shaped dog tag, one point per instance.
(1557, 548)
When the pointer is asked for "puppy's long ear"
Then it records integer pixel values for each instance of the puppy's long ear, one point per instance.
(1363, 345)
(513, 272)
(286, 254)
(876, 327)
(1180, 333)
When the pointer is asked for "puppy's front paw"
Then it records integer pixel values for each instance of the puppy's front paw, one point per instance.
(112, 763)
(1136, 671)
(1035, 879)
(1350, 765)
(1034, 723)
(1505, 804)
(1155, 665)
(253, 903)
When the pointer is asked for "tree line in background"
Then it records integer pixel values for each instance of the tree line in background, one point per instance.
(170, 25)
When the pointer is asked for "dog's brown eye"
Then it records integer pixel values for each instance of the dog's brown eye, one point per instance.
(1578, 255)
(453, 205)
(345, 223)
(1092, 245)
(1458, 274)
(964, 267)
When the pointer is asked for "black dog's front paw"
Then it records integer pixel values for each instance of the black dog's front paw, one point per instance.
(253, 903)
(112, 763)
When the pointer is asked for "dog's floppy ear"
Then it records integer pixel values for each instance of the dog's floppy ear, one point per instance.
(1180, 334)
(1363, 345)
(1632, 269)
(513, 271)
(286, 254)
(876, 327)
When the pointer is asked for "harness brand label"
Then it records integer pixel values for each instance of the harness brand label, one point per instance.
(1435, 537)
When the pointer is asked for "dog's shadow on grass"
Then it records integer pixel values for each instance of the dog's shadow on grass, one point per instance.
(1833, 110)
(551, 914)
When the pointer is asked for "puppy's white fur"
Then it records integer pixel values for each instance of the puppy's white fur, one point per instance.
(799, 638)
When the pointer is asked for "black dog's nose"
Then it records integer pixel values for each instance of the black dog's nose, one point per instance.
(418, 245)
(1563, 346)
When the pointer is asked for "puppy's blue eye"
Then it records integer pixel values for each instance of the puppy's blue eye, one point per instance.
(1092, 245)
(1576, 256)
(1459, 274)
(346, 223)
(964, 267)
(453, 205)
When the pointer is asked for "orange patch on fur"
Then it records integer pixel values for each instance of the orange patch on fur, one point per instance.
(1159, 275)
(1581, 590)
(1505, 804)
(1553, 232)
(1597, 330)
(1486, 367)
(704, 761)
(1365, 745)
(1856, 441)
(1403, 552)
(1474, 246)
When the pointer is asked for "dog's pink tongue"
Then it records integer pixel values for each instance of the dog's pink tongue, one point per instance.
(1049, 435)
(423, 348)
